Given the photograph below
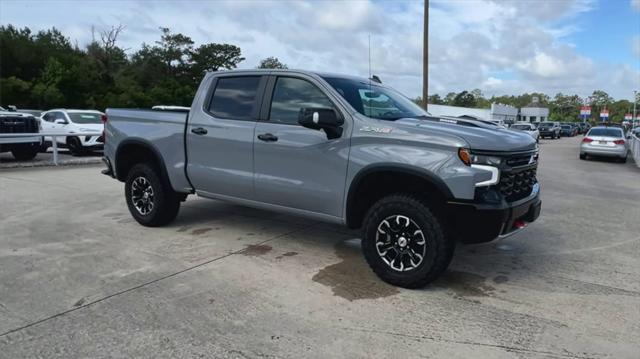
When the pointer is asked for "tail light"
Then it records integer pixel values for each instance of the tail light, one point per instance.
(103, 118)
(619, 142)
(587, 140)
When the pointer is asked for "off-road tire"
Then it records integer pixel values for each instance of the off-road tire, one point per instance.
(439, 248)
(166, 202)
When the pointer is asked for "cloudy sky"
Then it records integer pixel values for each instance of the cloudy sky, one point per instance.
(500, 47)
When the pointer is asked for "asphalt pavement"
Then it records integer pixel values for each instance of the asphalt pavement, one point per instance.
(79, 278)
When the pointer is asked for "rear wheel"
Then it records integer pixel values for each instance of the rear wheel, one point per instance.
(583, 156)
(150, 198)
(623, 159)
(404, 243)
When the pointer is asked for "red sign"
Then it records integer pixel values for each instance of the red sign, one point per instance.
(628, 116)
(604, 113)
(585, 110)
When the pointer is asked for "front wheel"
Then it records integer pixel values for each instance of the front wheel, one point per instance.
(25, 152)
(150, 198)
(404, 242)
(75, 146)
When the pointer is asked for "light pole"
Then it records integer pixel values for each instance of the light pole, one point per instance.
(425, 55)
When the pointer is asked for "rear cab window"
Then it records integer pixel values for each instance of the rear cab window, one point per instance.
(235, 98)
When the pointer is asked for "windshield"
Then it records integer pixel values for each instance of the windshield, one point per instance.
(565, 127)
(522, 127)
(85, 117)
(375, 101)
(545, 125)
(605, 132)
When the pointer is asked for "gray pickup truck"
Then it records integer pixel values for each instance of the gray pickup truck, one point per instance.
(335, 148)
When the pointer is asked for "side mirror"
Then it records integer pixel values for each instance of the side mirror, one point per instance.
(321, 119)
(60, 122)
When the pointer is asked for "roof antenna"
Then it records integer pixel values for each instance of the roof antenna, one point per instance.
(369, 62)
(372, 77)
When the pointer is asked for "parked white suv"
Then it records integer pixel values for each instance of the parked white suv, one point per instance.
(528, 128)
(75, 122)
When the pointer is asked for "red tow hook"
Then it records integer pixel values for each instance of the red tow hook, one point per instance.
(519, 224)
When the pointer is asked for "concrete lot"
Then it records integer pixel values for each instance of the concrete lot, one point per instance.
(46, 159)
(78, 278)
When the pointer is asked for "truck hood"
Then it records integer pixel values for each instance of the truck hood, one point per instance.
(478, 135)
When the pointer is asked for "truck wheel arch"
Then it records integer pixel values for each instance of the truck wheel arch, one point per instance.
(372, 183)
(133, 151)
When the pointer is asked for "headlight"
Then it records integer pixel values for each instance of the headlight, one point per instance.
(486, 160)
(469, 158)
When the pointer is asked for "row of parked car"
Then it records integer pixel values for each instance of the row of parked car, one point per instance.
(58, 121)
(551, 129)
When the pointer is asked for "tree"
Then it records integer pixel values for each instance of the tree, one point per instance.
(448, 99)
(464, 99)
(271, 63)
(213, 57)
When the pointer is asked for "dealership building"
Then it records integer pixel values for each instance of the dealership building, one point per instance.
(497, 112)
(534, 112)
(505, 114)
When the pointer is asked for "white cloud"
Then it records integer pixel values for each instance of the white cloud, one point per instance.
(635, 4)
(497, 46)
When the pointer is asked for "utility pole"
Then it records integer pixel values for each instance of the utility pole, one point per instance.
(425, 56)
(635, 99)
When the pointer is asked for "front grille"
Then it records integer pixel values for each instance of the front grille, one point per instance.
(17, 124)
(516, 185)
(520, 160)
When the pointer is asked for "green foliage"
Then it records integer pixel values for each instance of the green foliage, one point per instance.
(271, 63)
(44, 70)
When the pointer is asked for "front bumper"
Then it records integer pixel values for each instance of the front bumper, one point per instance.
(475, 222)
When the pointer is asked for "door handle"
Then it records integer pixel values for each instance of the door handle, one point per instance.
(267, 137)
(199, 131)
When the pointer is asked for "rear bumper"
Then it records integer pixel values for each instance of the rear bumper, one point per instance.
(615, 151)
(480, 222)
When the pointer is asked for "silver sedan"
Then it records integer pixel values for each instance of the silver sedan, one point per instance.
(604, 141)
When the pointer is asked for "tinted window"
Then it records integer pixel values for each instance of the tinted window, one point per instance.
(290, 95)
(565, 127)
(235, 97)
(48, 117)
(85, 117)
(522, 127)
(605, 132)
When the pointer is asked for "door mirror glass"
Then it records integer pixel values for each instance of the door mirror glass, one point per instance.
(321, 119)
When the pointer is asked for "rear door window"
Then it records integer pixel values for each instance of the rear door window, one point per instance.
(235, 98)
